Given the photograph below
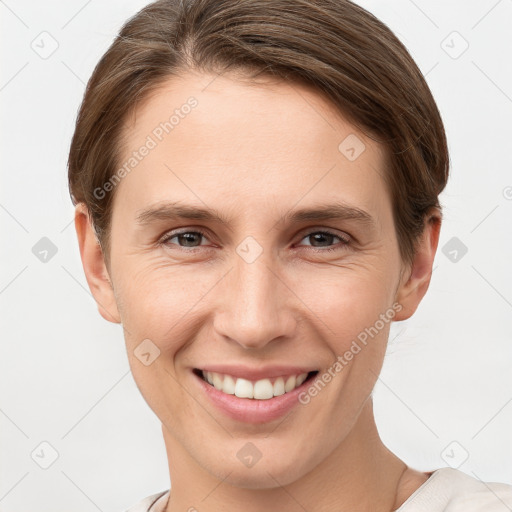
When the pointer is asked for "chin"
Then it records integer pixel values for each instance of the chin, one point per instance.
(263, 475)
(274, 466)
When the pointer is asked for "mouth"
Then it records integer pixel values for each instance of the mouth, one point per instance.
(262, 389)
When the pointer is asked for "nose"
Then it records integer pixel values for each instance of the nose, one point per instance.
(256, 306)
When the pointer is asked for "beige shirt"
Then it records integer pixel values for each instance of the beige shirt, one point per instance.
(447, 490)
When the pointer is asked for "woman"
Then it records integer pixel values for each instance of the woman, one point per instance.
(256, 187)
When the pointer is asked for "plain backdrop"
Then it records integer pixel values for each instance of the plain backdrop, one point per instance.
(68, 400)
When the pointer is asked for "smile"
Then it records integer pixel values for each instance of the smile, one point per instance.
(263, 389)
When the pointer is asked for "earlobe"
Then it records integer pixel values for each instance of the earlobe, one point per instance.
(416, 280)
(94, 266)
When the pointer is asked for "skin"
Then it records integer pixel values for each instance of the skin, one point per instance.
(254, 153)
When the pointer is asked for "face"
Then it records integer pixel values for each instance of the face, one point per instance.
(251, 242)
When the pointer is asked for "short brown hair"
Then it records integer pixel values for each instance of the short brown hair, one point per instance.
(340, 49)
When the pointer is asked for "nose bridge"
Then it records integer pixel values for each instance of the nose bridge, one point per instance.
(255, 308)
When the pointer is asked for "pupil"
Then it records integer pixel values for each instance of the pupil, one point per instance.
(321, 235)
(188, 237)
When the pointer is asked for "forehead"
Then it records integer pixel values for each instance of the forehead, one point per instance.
(226, 140)
(232, 103)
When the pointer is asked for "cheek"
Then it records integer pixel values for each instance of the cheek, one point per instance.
(158, 310)
(346, 300)
(159, 300)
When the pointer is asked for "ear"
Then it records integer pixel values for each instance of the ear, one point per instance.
(416, 278)
(94, 265)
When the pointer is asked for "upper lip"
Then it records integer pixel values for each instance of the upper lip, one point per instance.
(255, 374)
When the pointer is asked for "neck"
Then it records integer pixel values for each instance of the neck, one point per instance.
(360, 474)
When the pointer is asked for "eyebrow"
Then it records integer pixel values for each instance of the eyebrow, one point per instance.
(333, 211)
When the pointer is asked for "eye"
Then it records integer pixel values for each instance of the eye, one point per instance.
(319, 240)
(326, 237)
(185, 239)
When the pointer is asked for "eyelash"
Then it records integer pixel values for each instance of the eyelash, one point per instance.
(345, 241)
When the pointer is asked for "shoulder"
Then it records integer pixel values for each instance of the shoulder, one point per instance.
(451, 490)
(472, 494)
(154, 503)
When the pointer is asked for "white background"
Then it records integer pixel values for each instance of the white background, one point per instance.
(63, 369)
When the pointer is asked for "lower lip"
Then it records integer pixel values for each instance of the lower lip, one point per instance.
(251, 410)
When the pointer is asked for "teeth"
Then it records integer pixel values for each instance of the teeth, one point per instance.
(260, 390)
(263, 389)
(244, 388)
(279, 386)
(217, 381)
(301, 378)
(290, 384)
(228, 385)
